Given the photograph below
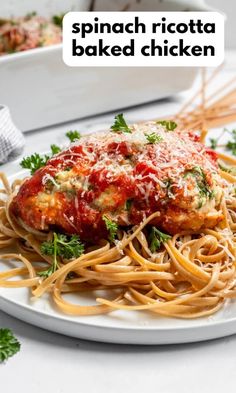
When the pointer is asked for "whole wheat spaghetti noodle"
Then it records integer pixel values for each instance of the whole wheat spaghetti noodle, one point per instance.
(191, 275)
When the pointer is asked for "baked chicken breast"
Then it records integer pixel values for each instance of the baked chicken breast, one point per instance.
(125, 176)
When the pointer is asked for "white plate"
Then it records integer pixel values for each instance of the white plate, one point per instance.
(119, 326)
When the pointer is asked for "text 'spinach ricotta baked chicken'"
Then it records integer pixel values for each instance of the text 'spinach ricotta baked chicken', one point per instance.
(125, 175)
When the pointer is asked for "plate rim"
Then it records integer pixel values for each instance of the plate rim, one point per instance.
(133, 335)
(195, 332)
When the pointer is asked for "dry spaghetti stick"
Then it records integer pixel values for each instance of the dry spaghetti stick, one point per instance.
(189, 102)
(213, 96)
(203, 104)
(221, 89)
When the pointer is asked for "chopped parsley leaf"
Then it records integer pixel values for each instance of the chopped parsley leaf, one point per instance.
(9, 345)
(55, 149)
(213, 143)
(73, 135)
(34, 162)
(128, 204)
(168, 124)
(57, 19)
(153, 138)
(64, 246)
(112, 228)
(37, 161)
(231, 145)
(201, 182)
(157, 238)
(120, 124)
(31, 15)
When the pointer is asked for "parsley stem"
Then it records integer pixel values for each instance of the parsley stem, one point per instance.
(55, 252)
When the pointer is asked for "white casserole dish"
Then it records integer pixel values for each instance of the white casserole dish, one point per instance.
(41, 90)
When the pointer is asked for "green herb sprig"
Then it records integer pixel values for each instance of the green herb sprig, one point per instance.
(34, 162)
(9, 345)
(73, 135)
(120, 124)
(57, 19)
(63, 246)
(153, 138)
(168, 124)
(37, 161)
(157, 238)
(202, 184)
(213, 143)
(128, 204)
(31, 15)
(112, 228)
(230, 145)
(55, 149)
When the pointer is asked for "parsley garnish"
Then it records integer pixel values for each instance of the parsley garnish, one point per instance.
(231, 145)
(37, 161)
(31, 15)
(112, 228)
(157, 238)
(9, 345)
(153, 138)
(73, 135)
(201, 181)
(64, 246)
(34, 162)
(57, 19)
(55, 149)
(120, 124)
(168, 124)
(213, 142)
(128, 204)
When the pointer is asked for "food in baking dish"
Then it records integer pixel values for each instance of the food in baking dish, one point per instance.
(28, 32)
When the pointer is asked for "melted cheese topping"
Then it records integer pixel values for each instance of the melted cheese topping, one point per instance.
(168, 159)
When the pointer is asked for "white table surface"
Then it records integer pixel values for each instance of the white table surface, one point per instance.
(49, 362)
